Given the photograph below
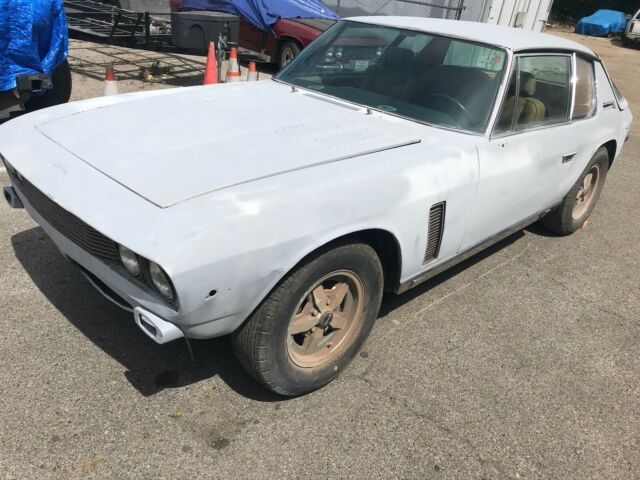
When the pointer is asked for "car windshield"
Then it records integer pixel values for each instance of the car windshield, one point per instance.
(424, 77)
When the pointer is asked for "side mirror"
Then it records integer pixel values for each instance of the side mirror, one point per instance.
(628, 16)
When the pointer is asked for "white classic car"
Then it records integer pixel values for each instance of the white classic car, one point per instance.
(279, 211)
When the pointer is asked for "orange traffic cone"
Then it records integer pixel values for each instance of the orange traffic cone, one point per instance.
(253, 73)
(110, 83)
(211, 70)
(233, 75)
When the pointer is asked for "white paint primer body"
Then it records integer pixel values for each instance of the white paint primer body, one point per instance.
(232, 202)
(229, 186)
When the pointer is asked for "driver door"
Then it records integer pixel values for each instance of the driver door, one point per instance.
(531, 150)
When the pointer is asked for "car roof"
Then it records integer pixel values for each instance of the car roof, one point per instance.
(515, 39)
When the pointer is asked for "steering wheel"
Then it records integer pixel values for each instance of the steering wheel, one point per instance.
(461, 108)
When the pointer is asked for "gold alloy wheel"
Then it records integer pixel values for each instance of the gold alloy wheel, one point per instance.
(327, 319)
(586, 192)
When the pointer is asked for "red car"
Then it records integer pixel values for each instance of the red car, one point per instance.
(291, 36)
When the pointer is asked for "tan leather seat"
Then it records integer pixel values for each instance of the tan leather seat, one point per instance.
(533, 109)
(530, 109)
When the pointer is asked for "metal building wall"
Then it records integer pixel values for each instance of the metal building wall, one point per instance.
(419, 8)
(527, 14)
(476, 10)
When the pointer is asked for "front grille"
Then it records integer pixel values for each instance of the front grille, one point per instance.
(83, 235)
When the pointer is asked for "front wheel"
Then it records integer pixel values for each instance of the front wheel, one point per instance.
(313, 324)
(578, 204)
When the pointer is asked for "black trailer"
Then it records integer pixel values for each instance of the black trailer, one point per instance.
(177, 31)
(105, 23)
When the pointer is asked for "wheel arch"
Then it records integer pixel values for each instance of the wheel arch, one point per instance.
(385, 244)
(289, 38)
(282, 40)
(387, 248)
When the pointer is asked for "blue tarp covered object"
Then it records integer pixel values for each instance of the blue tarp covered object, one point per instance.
(264, 13)
(602, 23)
(33, 38)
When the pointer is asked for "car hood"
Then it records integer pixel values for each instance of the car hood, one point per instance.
(178, 145)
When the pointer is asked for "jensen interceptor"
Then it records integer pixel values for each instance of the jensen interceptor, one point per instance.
(390, 149)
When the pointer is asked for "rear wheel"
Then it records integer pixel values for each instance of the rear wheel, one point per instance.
(288, 51)
(313, 324)
(578, 204)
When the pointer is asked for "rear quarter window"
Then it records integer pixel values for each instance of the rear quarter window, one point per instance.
(584, 103)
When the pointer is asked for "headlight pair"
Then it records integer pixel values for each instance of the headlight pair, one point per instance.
(134, 264)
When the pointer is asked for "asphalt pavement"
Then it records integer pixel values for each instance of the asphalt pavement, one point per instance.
(523, 362)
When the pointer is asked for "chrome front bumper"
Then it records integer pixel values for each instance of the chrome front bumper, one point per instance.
(107, 281)
(97, 256)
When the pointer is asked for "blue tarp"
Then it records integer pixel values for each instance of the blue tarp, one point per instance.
(264, 13)
(33, 38)
(602, 23)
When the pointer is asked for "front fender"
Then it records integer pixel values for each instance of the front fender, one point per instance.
(252, 235)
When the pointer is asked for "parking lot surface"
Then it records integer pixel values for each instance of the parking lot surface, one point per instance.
(523, 362)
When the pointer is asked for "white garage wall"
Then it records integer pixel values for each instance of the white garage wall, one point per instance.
(350, 8)
(528, 14)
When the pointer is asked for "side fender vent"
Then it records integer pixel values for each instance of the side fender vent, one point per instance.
(435, 231)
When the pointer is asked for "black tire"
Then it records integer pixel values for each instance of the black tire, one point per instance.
(570, 216)
(59, 93)
(262, 343)
(288, 51)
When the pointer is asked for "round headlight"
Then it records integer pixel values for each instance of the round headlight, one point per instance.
(129, 260)
(161, 281)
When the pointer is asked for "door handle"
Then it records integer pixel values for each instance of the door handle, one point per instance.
(608, 105)
(567, 157)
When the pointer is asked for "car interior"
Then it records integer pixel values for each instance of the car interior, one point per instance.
(463, 93)
(435, 79)
(530, 109)
(427, 80)
(412, 74)
(539, 100)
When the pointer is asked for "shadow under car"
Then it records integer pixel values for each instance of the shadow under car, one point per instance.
(150, 367)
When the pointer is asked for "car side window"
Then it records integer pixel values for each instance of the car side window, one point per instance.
(539, 93)
(585, 95)
(544, 90)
